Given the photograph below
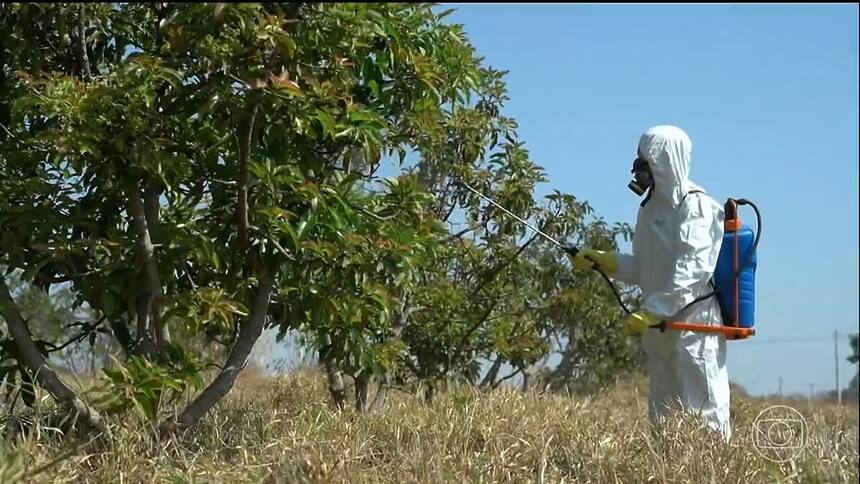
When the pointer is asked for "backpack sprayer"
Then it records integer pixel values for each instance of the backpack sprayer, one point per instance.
(733, 281)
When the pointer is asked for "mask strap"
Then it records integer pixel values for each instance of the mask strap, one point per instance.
(648, 196)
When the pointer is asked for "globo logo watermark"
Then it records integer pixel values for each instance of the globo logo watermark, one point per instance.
(780, 433)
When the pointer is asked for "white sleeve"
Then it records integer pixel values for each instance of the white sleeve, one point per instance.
(627, 270)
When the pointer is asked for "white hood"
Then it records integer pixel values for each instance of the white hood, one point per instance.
(667, 150)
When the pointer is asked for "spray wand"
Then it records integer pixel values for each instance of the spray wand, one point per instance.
(568, 249)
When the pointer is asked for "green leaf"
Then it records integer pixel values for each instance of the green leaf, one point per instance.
(327, 122)
(286, 45)
(445, 13)
(287, 229)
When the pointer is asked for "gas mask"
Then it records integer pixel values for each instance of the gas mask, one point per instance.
(642, 178)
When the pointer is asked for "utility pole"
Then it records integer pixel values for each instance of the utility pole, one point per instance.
(780, 387)
(836, 359)
(811, 388)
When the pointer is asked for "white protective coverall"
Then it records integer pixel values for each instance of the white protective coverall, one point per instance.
(676, 242)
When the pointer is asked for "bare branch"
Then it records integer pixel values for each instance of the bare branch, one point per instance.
(506, 378)
(89, 328)
(458, 234)
(498, 269)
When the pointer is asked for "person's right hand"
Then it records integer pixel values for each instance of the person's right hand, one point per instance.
(586, 258)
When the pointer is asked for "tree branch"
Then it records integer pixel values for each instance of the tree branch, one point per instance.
(498, 269)
(83, 58)
(492, 374)
(246, 131)
(250, 331)
(465, 339)
(457, 235)
(504, 379)
(400, 322)
(44, 374)
(89, 328)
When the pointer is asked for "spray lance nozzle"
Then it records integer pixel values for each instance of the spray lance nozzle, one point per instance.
(571, 250)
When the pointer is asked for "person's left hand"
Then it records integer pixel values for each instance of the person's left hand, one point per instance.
(638, 322)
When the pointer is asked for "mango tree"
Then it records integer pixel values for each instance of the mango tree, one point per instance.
(196, 172)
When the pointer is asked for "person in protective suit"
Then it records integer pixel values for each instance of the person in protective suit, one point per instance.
(678, 234)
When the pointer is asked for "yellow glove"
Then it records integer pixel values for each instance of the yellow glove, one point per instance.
(638, 322)
(605, 260)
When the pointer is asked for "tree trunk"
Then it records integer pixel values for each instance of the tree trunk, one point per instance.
(428, 392)
(334, 376)
(153, 224)
(527, 381)
(381, 393)
(149, 300)
(532, 373)
(336, 386)
(493, 373)
(362, 382)
(250, 331)
(400, 322)
(564, 371)
(78, 410)
(122, 335)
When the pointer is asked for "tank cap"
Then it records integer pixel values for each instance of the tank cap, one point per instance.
(731, 209)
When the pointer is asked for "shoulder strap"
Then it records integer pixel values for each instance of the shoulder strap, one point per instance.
(651, 191)
(691, 192)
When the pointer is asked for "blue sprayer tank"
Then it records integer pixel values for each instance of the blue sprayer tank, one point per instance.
(736, 297)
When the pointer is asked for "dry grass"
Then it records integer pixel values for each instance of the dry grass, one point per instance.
(282, 430)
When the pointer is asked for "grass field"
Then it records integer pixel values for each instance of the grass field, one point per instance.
(283, 430)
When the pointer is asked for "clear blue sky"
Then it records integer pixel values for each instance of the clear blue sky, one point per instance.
(769, 96)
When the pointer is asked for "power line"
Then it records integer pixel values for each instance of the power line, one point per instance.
(808, 339)
(836, 338)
